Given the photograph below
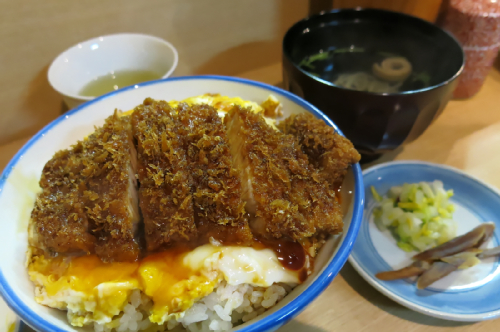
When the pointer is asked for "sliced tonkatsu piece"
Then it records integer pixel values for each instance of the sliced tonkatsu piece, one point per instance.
(219, 209)
(59, 221)
(110, 189)
(165, 182)
(285, 195)
(328, 151)
(88, 202)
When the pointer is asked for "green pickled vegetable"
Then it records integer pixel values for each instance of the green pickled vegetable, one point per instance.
(419, 215)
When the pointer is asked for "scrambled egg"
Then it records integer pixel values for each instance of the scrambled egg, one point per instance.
(174, 280)
(222, 103)
(270, 108)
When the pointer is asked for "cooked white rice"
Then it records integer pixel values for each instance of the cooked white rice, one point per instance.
(226, 307)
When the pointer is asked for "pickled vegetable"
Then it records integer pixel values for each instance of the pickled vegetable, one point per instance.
(419, 215)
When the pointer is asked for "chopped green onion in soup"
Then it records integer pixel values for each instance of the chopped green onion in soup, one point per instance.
(419, 215)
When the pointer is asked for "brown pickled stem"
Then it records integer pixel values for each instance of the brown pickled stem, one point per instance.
(489, 228)
(456, 245)
(437, 271)
(413, 270)
(487, 253)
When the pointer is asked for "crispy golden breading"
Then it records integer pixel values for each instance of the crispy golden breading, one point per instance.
(58, 221)
(200, 177)
(285, 195)
(165, 182)
(88, 204)
(328, 151)
(219, 209)
(110, 190)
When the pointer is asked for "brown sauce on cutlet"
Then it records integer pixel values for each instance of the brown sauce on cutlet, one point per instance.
(303, 274)
(338, 193)
(290, 254)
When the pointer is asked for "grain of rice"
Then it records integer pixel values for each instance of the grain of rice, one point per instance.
(227, 306)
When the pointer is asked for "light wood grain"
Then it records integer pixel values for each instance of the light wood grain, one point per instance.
(426, 9)
(466, 136)
(212, 36)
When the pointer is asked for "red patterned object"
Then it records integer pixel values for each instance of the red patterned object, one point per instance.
(476, 25)
(477, 66)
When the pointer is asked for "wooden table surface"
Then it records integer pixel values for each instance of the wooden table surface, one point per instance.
(466, 136)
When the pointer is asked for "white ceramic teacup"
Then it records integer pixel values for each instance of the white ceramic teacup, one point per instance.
(80, 64)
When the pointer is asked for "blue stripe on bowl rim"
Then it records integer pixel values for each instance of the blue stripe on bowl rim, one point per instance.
(381, 287)
(272, 321)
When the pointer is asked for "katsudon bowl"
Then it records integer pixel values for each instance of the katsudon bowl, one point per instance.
(19, 186)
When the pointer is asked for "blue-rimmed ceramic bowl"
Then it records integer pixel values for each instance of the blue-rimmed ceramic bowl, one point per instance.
(465, 295)
(18, 186)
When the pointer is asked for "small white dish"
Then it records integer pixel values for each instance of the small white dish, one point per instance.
(80, 64)
(465, 295)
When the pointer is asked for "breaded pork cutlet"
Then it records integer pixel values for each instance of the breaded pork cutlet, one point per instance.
(285, 195)
(329, 152)
(219, 209)
(88, 201)
(110, 190)
(59, 221)
(165, 182)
